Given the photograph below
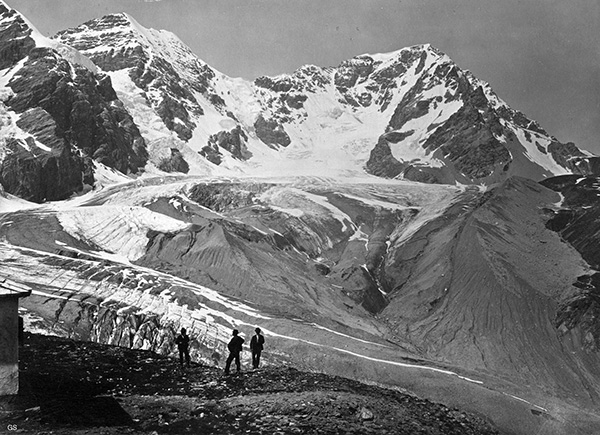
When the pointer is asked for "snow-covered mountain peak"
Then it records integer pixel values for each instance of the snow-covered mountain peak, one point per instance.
(111, 23)
(17, 31)
(403, 52)
(118, 41)
(117, 32)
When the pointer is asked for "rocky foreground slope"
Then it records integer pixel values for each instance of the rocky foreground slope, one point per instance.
(71, 387)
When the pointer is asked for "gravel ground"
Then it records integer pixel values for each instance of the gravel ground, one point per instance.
(71, 387)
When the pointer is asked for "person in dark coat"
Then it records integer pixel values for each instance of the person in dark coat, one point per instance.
(235, 347)
(183, 345)
(256, 346)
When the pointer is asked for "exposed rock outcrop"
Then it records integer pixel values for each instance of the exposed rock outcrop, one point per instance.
(352, 70)
(571, 157)
(40, 175)
(382, 163)
(66, 106)
(233, 141)
(175, 163)
(271, 132)
(15, 38)
(212, 154)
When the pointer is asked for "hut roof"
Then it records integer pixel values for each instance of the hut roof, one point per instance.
(10, 288)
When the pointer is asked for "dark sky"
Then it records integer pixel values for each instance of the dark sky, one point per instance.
(541, 56)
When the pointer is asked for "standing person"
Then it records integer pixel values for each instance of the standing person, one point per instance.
(183, 345)
(256, 346)
(235, 347)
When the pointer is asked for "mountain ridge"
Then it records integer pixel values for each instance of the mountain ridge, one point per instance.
(291, 90)
(280, 115)
(411, 113)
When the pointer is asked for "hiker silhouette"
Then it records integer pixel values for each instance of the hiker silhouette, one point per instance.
(183, 345)
(256, 346)
(235, 347)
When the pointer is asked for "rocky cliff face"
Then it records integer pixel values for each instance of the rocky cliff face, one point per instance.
(16, 39)
(66, 116)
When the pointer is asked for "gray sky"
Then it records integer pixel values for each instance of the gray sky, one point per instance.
(541, 56)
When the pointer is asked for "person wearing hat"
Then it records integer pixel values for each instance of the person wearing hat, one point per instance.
(235, 347)
(256, 347)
